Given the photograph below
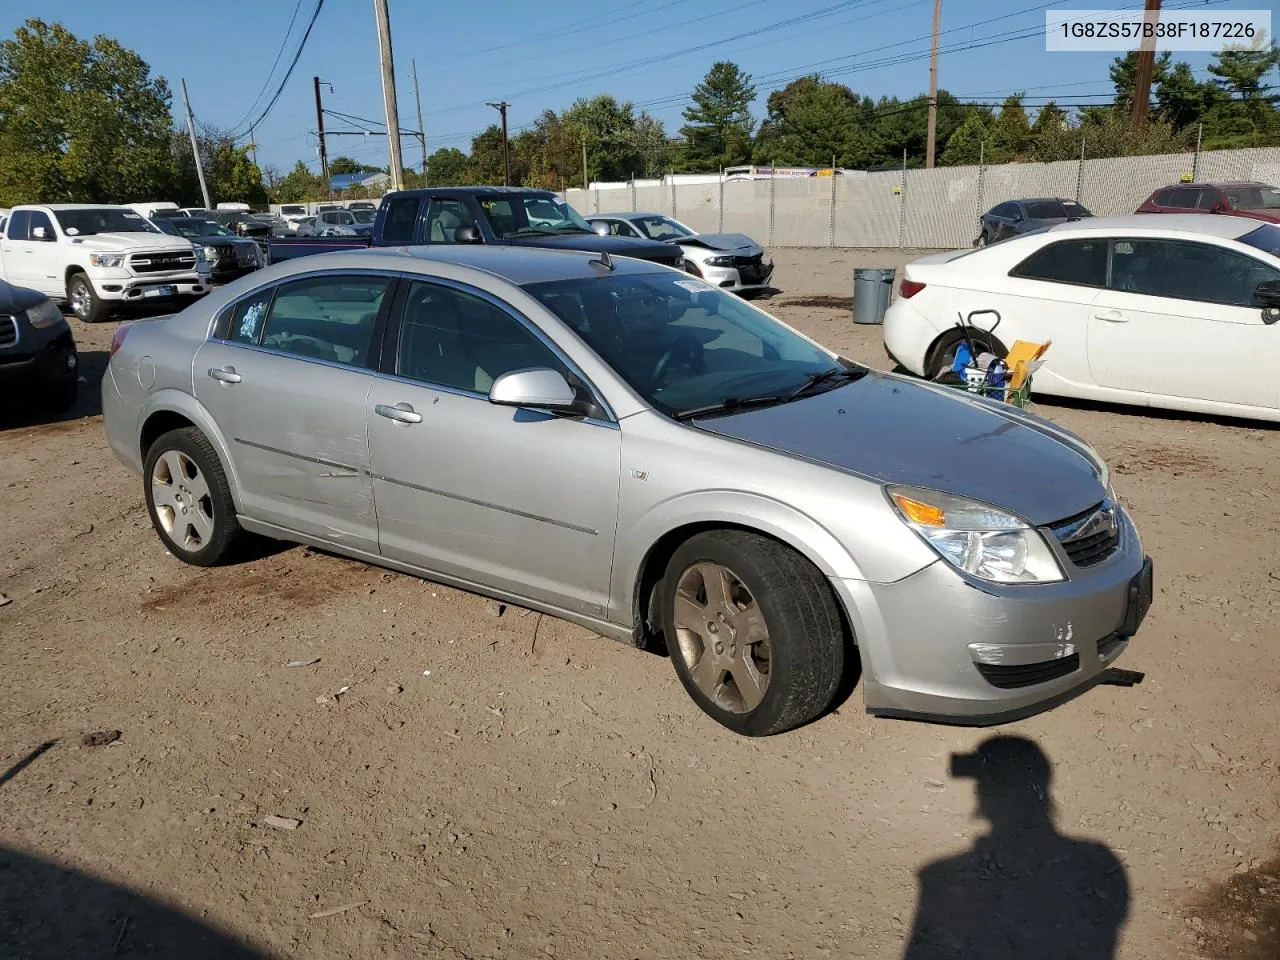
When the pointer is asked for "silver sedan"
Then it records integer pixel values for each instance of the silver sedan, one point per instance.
(627, 447)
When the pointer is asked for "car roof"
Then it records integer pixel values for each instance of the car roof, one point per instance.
(80, 206)
(629, 215)
(1218, 183)
(518, 265)
(1229, 228)
(470, 192)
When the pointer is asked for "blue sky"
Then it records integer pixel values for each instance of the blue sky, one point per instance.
(544, 55)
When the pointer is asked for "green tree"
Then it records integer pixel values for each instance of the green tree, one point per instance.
(1124, 76)
(718, 126)
(1182, 100)
(899, 126)
(1049, 119)
(229, 171)
(1109, 134)
(965, 146)
(1245, 115)
(810, 122)
(447, 167)
(343, 165)
(300, 185)
(1011, 135)
(80, 120)
(485, 165)
(1243, 70)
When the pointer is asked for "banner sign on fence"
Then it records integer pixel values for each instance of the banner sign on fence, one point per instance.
(1083, 30)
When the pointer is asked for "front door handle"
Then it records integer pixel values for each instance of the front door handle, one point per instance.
(400, 413)
(1111, 316)
(225, 374)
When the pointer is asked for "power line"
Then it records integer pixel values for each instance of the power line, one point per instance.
(288, 73)
(275, 63)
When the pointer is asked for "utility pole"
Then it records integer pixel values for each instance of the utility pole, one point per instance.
(324, 153)
(585, 182)
(501, 107)
(389, 93)
(195, 147)
(932, 147)
(422, 131)
(1146, 66)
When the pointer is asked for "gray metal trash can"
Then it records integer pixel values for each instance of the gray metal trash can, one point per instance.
(871, 289)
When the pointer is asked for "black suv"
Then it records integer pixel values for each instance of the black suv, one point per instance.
(37, 353)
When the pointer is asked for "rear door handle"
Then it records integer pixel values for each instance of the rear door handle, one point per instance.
(1111, 316)
(400, 413)
(225, 374)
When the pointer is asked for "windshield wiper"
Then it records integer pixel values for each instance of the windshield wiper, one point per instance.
(728, 405)
(824, 376)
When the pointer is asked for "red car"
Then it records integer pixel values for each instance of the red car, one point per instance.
(1261, 201)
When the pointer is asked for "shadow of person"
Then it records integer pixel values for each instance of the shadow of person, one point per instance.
(1025, 891)
(50, 911)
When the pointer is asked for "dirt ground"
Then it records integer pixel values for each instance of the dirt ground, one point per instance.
(513, 786)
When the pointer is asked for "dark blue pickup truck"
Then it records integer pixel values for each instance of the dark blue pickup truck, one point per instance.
(508, 216)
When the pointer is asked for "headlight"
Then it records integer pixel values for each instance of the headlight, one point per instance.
(106, 259)
(977, 538)
(43, 314)
(719, 261)
(211, 254)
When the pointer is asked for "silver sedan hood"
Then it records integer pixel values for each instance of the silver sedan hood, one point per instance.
(895, 431)
(735, 243)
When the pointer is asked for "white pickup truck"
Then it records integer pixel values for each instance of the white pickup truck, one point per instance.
(98, 257)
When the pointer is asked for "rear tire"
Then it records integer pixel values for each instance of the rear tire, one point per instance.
(189, 498)
(983, 239)
(753, 630)
(943, 353)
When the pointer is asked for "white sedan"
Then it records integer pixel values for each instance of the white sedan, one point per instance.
(1173, 311)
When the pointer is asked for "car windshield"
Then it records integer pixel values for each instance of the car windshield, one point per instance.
(1265, 238)
(1261, 197)
(292, 209)
(531, 215)
(1046, 210)
(1074, 209)
(200, 228)
(662, 228)
(90, 220)
(364, 216)
(684, 345)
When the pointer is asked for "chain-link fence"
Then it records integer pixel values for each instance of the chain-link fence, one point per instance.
(917, 208)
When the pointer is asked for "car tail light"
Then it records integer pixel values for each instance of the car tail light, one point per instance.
(117, 339)
(910, 288)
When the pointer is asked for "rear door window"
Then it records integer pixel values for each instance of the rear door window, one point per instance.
(1081, 263)
(330, 318)
(444, 217)
(18, 224)
(399, 220)
(1184, 198)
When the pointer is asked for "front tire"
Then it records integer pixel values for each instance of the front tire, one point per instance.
(753, 631)
(983, 239)
(84, 300)
(189, 499)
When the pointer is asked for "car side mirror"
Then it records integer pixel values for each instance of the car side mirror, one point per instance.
(1267, 295)
(468, 234)
(1017, 218)
(40, 233)
(539, 387)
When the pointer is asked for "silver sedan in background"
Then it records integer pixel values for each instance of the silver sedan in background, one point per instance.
(627, 447)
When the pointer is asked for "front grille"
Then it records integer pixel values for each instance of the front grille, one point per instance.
(750, 269)
(1090, 537)
(755, 261)
(1008, 677)
(8, 330)
(162, 262)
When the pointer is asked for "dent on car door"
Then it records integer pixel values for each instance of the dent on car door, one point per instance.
(1179, 319)
(516, 499)
(285, 378)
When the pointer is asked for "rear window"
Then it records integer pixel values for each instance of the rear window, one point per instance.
(1046, 210)
(1183, 198)
(399, 220)
(1081, 263)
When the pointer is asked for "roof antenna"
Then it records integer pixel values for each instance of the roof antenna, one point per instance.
(603, 260)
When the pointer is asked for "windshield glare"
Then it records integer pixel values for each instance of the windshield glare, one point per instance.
(1045, 210)
(201, 228)
(531, 215)
(1265, 238)
(662, 228)
(87, 222)
(680, 343)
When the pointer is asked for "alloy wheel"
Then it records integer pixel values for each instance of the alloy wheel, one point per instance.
(182, 501)
(722, 637)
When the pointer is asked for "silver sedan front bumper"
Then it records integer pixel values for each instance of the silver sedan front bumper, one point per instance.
(938, 646)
